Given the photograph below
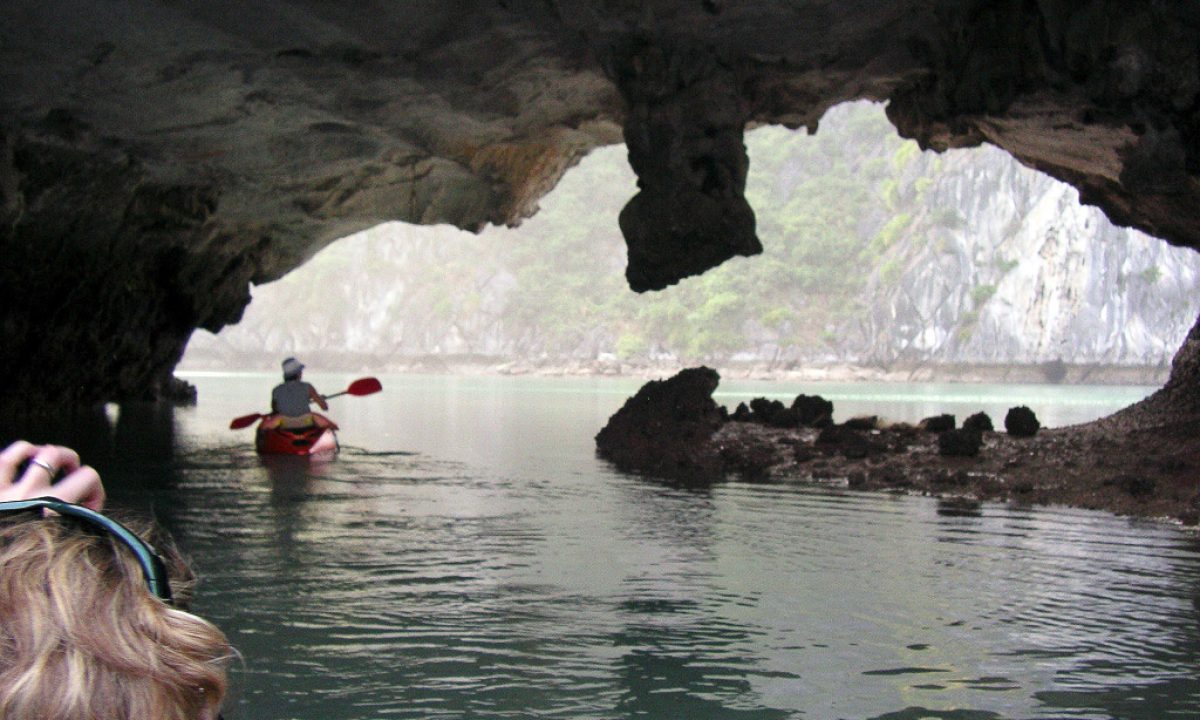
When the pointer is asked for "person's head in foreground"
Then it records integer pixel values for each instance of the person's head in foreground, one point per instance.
(92, 623)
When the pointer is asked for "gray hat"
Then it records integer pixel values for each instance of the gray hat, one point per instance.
(292, 367)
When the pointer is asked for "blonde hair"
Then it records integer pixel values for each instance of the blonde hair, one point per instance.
(82, 637)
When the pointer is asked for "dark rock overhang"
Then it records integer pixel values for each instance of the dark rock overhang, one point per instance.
(157, 157)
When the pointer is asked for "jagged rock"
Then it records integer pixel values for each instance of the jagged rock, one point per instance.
(1191, 517)
(864, 422)
(666, 429)
(960, 443)
(805, 411)
(772, 413)
(1133, 485)
(751, 459)
(684, 135)
(1021, 422)
(1146, 474)
(813, 410)
(979, 422)
(950, 479)
(180, 392)
(937, 423)
(849, 442)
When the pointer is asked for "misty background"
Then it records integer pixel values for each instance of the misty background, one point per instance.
(876, 254)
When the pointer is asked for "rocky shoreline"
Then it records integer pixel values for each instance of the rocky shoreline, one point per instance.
(672, 429)
(1051, 372)
(1141, 462)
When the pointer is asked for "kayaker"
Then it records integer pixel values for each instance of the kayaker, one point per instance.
(290, 400)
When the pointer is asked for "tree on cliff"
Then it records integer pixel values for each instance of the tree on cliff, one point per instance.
(869, 253)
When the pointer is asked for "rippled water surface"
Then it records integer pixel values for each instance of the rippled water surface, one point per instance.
(467, 556)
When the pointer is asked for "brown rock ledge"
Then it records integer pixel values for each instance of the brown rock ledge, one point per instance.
(1151, 473)
(1127, 468)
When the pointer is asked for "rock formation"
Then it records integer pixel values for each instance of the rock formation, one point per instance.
(666, 429)
(157, 157)
(673, 430)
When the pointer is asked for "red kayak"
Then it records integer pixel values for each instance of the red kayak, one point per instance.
(320, 439)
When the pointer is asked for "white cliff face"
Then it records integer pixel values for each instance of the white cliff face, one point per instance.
(1003, 264)
(987, 262)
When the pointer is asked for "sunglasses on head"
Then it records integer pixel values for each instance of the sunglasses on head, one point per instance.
(152, 564)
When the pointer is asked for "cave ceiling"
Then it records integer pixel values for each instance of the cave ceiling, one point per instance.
(157, 157)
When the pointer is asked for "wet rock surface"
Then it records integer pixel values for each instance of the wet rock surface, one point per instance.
(1021, 422)
(666, 429)
(1105, 465)
(960, 442)
(979, 422)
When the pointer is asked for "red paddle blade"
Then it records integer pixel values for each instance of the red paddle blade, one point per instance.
(364, 386)
(244, 421)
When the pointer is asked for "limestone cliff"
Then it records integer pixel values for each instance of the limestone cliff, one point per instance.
(158, 156)
(971, 258)
(998, 264)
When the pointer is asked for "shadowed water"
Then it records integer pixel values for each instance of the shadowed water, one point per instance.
(467, 556)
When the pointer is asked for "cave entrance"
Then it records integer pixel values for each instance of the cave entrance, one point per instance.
(877, 256)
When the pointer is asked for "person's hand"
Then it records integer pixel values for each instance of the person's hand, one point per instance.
(79, 484)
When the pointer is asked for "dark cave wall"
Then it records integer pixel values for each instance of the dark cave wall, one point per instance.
(1102, 95)
(155, 163)
(105, 276)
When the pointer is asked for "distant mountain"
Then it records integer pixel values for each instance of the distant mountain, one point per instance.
(876, 253)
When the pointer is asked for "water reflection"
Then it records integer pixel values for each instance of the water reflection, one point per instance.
(682, 654)
(135, 448)
(662, 685)
(145, 432)
(1094, 601)
(291, 482)
(922, 713)
(89, 432)
(486, 565)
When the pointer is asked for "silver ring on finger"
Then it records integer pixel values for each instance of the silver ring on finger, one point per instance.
(45, 466)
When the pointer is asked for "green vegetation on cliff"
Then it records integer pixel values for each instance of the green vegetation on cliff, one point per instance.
(846, 216)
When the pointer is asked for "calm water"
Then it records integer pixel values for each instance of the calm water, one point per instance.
(467, 556)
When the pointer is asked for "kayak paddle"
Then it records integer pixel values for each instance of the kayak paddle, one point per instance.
(360, 387)
(245, 421)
